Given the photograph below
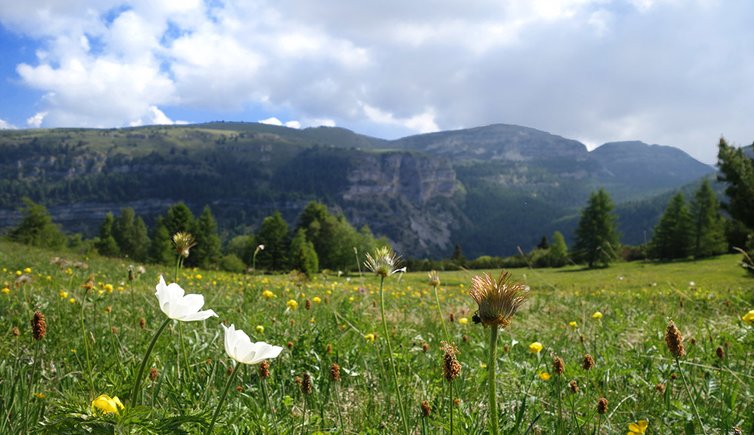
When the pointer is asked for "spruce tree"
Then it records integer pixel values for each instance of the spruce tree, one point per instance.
(708, 226)
(161, 247)
(672, 236)
(273, 234)
(597, 239)
(737, 170)
(36, 227)
(179, 218)
(302, 255)
(106, 244)
(558, 253)
(141, 242)
(207, 251)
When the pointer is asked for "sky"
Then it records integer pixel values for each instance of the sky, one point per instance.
(670, 72)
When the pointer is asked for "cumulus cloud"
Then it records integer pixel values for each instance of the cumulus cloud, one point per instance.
(596, 70)
(5, 125)
(36, 120)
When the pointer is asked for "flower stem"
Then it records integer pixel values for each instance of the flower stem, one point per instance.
(86, 348)
(442, 318)
(450, 403)
(222, 400)
(691, 398)
(491, 380)
(390, 357)
(137, 382)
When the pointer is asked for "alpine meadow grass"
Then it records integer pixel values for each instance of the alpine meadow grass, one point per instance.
(590, 351)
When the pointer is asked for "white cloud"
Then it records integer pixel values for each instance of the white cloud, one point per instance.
(275, 121)
(5, 125)
(36, 120)
(422, 122)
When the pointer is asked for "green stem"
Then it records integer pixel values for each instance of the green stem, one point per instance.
(137, 382)
(177, 266)
(450, 391)
(442, 318)
(86, 348)
(222, 399)
(492, 375)
(390, 357)
(691, 398)
(303, 417)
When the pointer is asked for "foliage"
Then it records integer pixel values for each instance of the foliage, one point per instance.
(597, 240)
(558, 251)
(708, 226)
(242, 247)
(106, 244)
(737, 171)
(273, 234)
(672, 237)
(302, 255)
(207, 251)
(161, 247)
(36, 227)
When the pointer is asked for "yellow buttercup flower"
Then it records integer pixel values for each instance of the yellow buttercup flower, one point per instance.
(268, 294)
(27, 270)
(544, 376)
(316, 299)
(108, 288)
(72, 300)
(536, 347)
(638, 428)
(198, 276)
(369, 337)
(463, 321)
(597, 315)
(107, 404)
(6, 290)
(749, 317)
(63, 294)
(260, 329)
(573, 324)
(292, 304)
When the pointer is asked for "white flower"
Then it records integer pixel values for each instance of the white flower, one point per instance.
(179, 306)
(238, 346)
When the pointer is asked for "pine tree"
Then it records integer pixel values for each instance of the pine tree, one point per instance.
(161, 247)
(179, 218)
(141, 240)
(708, 225)
(207, 251)
(273, 234)
(737, 170)
(558, 255)
(36, 227)
(672, 236)
(106, 245)
(302, 255)
(597, 239)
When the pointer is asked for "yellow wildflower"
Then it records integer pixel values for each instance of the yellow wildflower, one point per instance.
(638, 428)
(292, 304)
(72, 300)
(63, 294)
(369, 337)
(107, 404)
(27, 270)
(260, 329)
(268, 294)
(316, 299)
(572, 324)
(535, 347)
(463, 321)
(39, 395)
(6, 290)
(597, 315)
(749, 317)
(198, 276)
(109, 288)
(19, 273)
(544, 376)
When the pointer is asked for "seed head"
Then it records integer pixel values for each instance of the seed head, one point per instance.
(425, 347)
(602, 406)
(142, 323)
(425, 408)
(451, 368)
(558, 366)
(574, 386)
(588, 362)
(308, 304)
(384, 262)
(720, 352)
(306, 384)
(434, 279)
(674, 340)
(183, 242)
(498, 299)
(335, 372)
(264, 369)
(153, 374)
(15, 331)
(39, 326)
(660, 388)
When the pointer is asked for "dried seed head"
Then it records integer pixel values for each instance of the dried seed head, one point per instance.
(674, 340)
(306, 384)
(183, 242)
(720, 352)
(434, 279)
(114, 329)
(108, 309)
(425, 347)
(660, 388)
(574, 386)
(425, 408)
(264, 369)
(290, 345)
(451, 368)
(588, 362)
(89, 284)
(142, 323)
(328, 349)
(239, 388)
(39, 326)
(335, 372)
(498, 299)
(15, 331)
(308, 304)
(465, 338)
(558, 366)
(673, 376)
(384, 262)
(153, 374)
(602, 406)
(451, 317)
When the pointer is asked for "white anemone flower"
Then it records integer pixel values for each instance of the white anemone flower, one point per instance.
(238, 346)
(179, 306)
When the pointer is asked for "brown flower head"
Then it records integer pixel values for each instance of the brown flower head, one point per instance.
(15, 331)
(574, 386)
(153, 374)
(558, 366)
(384, 262)
(588, 362)
(183, 242)
(660, 388)
(674, 340)
(498, 299)
(451, 368)
(142, 322)
(720, 352)
(602, 406)
(306, 384)
(264, 369)
(434, 279)
(425, 408)
(39, 326)
(335, 372)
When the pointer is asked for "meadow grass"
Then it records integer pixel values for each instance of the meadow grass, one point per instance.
(48, 385)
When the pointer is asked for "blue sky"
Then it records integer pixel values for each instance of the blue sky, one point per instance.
(671, 72)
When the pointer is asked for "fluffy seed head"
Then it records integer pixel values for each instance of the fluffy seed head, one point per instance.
(183, 242)
(674, 340)
(39, 326)
(384, 262)
(434, 279)
(498, 299)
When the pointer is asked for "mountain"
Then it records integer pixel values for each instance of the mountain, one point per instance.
(489, 189)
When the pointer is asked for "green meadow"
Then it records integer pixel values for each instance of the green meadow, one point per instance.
(99, 324)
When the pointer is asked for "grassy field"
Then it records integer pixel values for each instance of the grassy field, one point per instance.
(96, 339)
